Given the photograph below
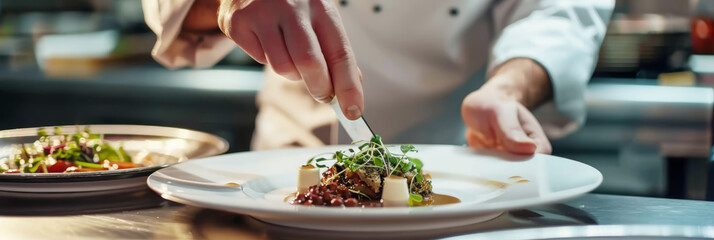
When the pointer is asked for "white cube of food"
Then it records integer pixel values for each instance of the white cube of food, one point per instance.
(308, 175)
(395, 192)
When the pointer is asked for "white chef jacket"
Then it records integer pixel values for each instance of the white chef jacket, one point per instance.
(419, 59)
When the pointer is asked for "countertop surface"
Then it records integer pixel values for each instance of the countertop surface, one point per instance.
(144, 215)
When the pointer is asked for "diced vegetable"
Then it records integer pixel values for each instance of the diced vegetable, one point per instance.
(88, 165)
(122, 165)
(58, 167)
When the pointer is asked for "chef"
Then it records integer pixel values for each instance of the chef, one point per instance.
(420, 71)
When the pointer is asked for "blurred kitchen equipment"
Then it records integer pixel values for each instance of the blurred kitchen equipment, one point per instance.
(645, 38)
(644, 46)
(646, 139)
(702, 27)
(702, 35)
(219, 101)
(75, 54)
(649, 125)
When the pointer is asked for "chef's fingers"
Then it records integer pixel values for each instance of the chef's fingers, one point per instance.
(271, 39)
(533, 129)
(479, 117)
(305, 52)
(473, 140)
(341, 62)
(241, 33)
(510, 132)
(483, 131)
(250, 45)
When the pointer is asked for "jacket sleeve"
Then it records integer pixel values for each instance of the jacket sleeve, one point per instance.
(562, 36)
(176, 49)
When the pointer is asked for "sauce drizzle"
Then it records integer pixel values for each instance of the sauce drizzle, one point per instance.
(232, 184)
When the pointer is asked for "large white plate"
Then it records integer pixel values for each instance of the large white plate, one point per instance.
(485, 181)
(165, 146)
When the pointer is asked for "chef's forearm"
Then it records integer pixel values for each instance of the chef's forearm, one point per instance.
(202, 17)
(521, 79)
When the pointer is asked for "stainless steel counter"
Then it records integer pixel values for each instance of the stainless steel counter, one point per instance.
(117, 217)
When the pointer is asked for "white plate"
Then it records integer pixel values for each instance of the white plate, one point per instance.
(165, 146)
(485, 181)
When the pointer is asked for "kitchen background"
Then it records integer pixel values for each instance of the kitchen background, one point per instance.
(650, 102)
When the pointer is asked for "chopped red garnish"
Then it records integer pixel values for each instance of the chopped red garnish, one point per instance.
(58, 167)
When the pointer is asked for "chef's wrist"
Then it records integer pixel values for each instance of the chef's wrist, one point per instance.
(522, 80)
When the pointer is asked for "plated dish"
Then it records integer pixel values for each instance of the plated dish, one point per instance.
(80, 151)
(369, 175)
(96, 157)
(486, 183)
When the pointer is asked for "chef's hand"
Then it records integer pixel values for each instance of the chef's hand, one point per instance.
(497, 115)
(300, 39)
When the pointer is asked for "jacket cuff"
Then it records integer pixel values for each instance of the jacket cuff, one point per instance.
(560, 47)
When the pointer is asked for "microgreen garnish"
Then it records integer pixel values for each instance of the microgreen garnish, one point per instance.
(415, 198)
(408, 148)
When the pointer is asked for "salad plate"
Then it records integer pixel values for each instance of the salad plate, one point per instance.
(147, 149)
(262, 183)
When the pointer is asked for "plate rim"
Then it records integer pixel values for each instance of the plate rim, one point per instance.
(81, 176)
